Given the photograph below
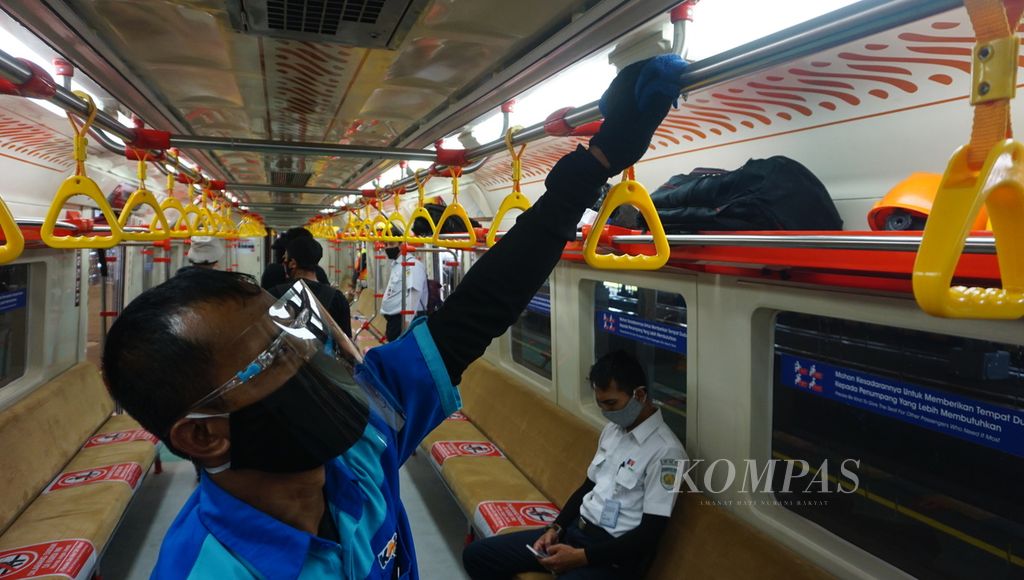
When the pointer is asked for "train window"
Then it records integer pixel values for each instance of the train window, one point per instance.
(650, 324)
(13, 322)
(531, 334)
(937, 424)
(149, 275)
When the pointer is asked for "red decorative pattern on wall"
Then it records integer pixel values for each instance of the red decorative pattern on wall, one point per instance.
(33, 142)
(833, 85)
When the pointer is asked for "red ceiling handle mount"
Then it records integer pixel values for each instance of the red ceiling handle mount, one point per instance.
(40, 85)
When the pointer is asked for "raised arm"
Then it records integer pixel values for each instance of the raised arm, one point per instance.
(501, 283)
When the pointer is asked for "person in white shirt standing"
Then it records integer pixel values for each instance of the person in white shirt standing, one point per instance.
(408, 275)
(609, 528)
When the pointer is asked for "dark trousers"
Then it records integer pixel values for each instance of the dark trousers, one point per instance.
(394, 325)
(504, 556)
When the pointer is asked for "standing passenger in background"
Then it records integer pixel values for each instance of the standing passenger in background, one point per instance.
(300, 260)
(415, 290)
(205, 252)
(300, 437)
(275, 274)
(610, 526)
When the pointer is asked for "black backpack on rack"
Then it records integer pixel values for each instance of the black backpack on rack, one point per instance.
(777, 193)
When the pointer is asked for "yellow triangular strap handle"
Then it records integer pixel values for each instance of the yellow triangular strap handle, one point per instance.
(139, 197)
(455, 210)
(514, 200)
(396, 218)
(380, 228)
(15, 240)
(191, 217)
(204, 225)
(72, 186)
(633, 193)
(1000, 187)
(170, 203)
(412, 238)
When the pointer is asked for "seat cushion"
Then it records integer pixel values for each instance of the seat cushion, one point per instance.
(478, 479)
(451, 430)
(706, 541)
(551, 446)
(40, 433)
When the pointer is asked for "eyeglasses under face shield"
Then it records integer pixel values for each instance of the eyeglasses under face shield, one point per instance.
(303, 370)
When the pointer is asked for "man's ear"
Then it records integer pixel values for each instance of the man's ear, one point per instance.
(202, 439)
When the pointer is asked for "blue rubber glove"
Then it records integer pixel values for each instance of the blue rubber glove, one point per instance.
(634, 105)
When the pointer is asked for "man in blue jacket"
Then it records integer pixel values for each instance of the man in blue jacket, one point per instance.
(299, 437)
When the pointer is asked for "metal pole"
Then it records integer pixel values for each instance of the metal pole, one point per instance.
(289, 189)
(300, 148)
(974, 245)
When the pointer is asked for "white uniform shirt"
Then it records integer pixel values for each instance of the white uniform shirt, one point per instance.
(634, 469)
(415, 287)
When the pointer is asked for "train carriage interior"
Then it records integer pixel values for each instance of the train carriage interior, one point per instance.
(818, 263)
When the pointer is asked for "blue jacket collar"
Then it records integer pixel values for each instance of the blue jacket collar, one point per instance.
(272, 548)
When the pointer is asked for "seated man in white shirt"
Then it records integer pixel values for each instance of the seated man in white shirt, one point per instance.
(610, 526)
(391, 306)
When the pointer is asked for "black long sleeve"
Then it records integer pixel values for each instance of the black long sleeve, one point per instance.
(635, 543)
(499, 286)
(571, 509)
(341, 313)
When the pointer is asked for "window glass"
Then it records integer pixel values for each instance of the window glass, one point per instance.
(13, 322)
(937, 423)
(148, 269)
(104, 296)
(651, 325)
(531, 334)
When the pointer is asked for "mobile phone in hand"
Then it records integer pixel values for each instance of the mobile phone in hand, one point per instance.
(536, 553)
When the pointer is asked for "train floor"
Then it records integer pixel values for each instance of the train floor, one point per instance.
(438, 525)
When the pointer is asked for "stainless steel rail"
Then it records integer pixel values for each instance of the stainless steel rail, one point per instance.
(974, 245)
(300, 148)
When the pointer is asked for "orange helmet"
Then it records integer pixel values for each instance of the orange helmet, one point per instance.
(906, 206)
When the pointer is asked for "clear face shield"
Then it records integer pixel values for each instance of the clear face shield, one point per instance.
(296, 403)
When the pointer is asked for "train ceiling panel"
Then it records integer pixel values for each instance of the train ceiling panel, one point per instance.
(305, 70)
(364, 23)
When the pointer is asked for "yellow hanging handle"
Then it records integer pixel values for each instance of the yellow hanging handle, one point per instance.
(192, 216)
(628, 191)
(170, 202)
(80, 184)
(516, 199)
(396, 218)
(420, 212)
(380, 227)
(363, 233)
(14, 243)
(143, 196)
(988, 172)
(455, 210)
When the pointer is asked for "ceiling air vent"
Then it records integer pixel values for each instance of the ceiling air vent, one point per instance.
(363, 23)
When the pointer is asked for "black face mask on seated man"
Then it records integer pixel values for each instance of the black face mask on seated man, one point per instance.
(299, 403)
(392, 253)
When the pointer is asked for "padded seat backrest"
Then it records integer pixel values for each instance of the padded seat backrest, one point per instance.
(548, 444)
(40, 433)
(706, 541)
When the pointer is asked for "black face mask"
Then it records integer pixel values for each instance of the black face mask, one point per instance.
(296, 428)
(392, 253)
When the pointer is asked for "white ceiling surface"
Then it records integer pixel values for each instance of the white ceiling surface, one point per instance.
(229, 84)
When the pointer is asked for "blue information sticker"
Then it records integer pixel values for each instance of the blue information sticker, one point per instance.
(670, 337)
(12, 300)
(541, 304)
(976, 421)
